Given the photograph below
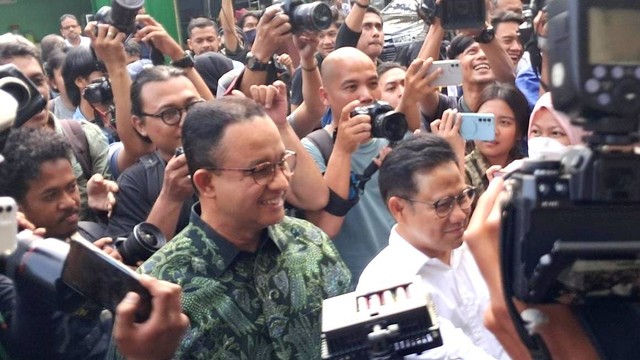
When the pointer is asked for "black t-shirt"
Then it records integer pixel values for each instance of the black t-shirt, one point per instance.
(296, 83)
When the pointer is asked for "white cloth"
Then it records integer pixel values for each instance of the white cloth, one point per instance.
(458, 291)
(84, 41)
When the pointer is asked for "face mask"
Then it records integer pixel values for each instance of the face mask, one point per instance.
(544, 148)
(251, 35)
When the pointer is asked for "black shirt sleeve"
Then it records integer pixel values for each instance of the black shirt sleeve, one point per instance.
(347, 37)
(132, 203)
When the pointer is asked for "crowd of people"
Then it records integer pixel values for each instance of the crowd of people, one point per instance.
(243, 148)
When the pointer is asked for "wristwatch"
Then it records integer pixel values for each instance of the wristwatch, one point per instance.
(254, 64)
(186, 61)
(486, 35)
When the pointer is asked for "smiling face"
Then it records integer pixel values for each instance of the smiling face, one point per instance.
(327, 40)
(372, 38)
(418, 223)
(475, 66)
(53, 199)
(508, 35)
(497, 151)
(238, 204)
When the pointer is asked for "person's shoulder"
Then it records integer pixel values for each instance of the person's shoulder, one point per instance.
(90, 129)
(299, 229)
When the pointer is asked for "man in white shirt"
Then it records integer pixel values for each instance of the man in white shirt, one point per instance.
(71, 31)
(426, 194)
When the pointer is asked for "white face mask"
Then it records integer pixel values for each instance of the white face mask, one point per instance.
(545, 148)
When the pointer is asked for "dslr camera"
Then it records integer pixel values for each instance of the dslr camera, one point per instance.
(121, 14)
(99, 92)
(30, 101)
(144, 241)
(385, 121)
(457, 14)
(315, 16)
(570, 228)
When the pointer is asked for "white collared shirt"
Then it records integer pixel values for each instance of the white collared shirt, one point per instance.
(458, 291)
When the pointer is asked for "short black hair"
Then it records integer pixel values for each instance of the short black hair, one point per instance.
(201, 22)
(147, 75)
(243, 18)
(458, 45)
(55, 61)
(68, 16)
(205, 126)
(388, 65)
(132, 48)
(78, 63)
(10, 50)
(502, 16)
(420, 153)
(24, 152)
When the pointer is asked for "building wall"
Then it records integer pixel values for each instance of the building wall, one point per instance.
(40, 17)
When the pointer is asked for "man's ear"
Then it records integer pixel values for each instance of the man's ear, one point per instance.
(139, 125)
(203, 182)
(397, 207)
(189, 44)
(324, 96)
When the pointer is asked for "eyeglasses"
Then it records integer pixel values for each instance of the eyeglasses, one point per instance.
(264, 172)
(69, 27)
(172, 116)
(444, 206)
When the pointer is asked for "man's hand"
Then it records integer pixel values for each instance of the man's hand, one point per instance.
(352, 131)
(25, 224)
(417, 80)
(159, 336)
(274, 99)
(106, 245)
(153, 32)
(108, 44)
(177, 184)
(285, 60)
(272, 31)
(448, 128)
(100, 193)
(307, 45)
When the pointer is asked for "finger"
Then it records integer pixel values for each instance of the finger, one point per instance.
(89, 30)
(491, 171)
(125, 316)
(112, 186)
(345, 115)
(40, 232)
(237, 93)
(488, 199)
(101, 243)
(270, 93)
(435, 126)
(458, 121)
(255, 93)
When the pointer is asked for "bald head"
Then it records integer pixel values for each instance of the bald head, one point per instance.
(337, 59)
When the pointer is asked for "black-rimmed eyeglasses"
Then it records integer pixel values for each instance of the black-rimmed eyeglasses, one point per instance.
(444, 206)
(172, 116)
(263, 173)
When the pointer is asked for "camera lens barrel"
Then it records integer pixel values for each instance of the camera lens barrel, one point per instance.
(143, 242)
(385, 121)
(315, 16)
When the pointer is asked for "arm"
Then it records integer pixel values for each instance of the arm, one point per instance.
(416, 86)
(501, 64)
(272, 30)
(111, 52)
(307, 115)
(308, 190)
(155, 33)
(351, 133)
(431, 50)
(176, 188)
(449, 129)
(231, 42)
(350, 30)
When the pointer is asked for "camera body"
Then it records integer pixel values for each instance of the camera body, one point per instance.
(570, 228)
(30, 101)
(121, 14)
(315, 16)
(457, 14)
(385, 121)
(99, 92)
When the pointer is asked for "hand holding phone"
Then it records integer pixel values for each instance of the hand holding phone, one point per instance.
(478, 126)
(451, 73)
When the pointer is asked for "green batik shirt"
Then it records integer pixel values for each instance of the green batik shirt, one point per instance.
(262, 305)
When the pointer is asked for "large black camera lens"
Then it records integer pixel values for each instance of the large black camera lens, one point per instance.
(17, 89)
(143, 242)
(99, 92)
(30, 101)
(391, 125)
(121, 14)
(315, 16)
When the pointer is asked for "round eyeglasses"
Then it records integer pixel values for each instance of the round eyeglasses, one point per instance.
(172, 116)
(264, 173)
(444, 206)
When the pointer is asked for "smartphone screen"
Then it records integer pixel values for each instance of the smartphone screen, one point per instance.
(102, 279)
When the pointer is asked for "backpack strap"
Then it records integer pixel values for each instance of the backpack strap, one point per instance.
(323, 141)
(76, 137)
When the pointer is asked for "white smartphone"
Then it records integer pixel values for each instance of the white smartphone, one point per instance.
(8, 225)
(478, 126)
(451, 72)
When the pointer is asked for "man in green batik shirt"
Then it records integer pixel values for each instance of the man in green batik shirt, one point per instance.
(253, 279)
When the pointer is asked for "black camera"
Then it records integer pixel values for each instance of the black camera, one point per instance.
(457, 14)
(99, 91)
(385, 121)
(315, 16)
(121, 14)
(570, 228)
(144, 241)
(30, 101)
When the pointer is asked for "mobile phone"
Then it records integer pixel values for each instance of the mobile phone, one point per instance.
(102, 279)
(8, 225)
(478, 126)
(451, 72)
